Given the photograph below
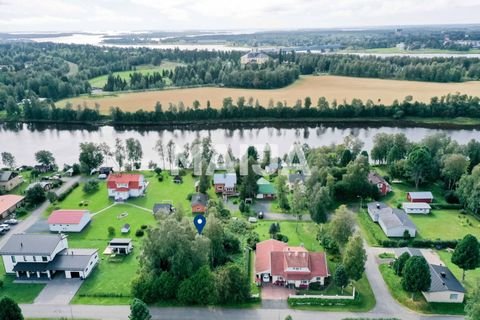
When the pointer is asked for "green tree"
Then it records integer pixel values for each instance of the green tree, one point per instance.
(356, 177)
(232, 284)
(354, 257)
(9, 310)
(91, 186)
(342, 225)
(119, 153)
(416, 275)
(467, 254)
(91, 156)
(35, 195)
(139, 310)
(214, 231)
(468, 190)
(299, 202)
(249, 187)
(472, 307)
(45, 157)
(134, 152)
(282, 193)
(274, 229)
(8, 159)
(454, 166)
(340, 277)
(319, 200)
(400, 262)
(346, 158)
(418, 165)
(199, 288)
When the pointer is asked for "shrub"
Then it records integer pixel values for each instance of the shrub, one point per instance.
(35, 195)
(280, 237)
(160, 178)
(63, 195)
(52, 196)
(446, 206)
(111, 231)
(189, 196)
(1, 283)
(144, 226)
(20, 212)
(139, 233)
(91, 186)
(451, 197)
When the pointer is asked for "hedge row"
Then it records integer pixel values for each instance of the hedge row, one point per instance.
(321, 302)
(64, 194)
(420, 243)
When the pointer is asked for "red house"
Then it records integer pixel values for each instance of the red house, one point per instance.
(225, 183)
(199, 203)
(382, 185)
(122, 186)
(425, 196)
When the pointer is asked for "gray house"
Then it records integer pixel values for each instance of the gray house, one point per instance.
(394, 222)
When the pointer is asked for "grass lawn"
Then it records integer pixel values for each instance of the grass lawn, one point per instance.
(20, 292)
(419, 304)
(110, 281)
(400, 190)
(306, 235)
(99, 82)
(446, 225)
(472, 277)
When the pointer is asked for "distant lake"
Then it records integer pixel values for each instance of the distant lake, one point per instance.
(24, 140)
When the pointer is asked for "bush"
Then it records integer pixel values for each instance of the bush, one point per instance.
(20, 212)
(144, 226)
(160, 178)
(111, 231)
(447, 206)
(63, 195)
(35, 195)
(451, 197)
(280, 237)
(52, 196)
(91, 186)
(139, 233)
(189, 196)
(1, 283)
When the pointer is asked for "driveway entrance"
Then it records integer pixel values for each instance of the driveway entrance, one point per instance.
(272, 292)
(59, 291)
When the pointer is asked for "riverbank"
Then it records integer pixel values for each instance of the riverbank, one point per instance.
(412, 122)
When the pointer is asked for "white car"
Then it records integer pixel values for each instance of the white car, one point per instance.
(11, 221)
(252, 220)
(102, 176)
(265, 277)
(4, 227)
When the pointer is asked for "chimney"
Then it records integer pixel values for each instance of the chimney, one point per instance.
(378, 205)
(443, 274)
(21, 244)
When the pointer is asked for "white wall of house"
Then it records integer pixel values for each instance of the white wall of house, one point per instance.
(71, 227)
(86, 272)
(9, 261)
(417, 210)
(444, 296)
(11, 184)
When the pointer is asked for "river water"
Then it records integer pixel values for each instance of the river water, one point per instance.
(24, 140)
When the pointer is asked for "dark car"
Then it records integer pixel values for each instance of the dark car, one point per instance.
(260, 215)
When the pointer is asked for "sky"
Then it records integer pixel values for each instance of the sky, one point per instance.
(131, 15)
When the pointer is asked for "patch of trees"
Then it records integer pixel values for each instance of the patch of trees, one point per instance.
(136, 81)
(179, 265)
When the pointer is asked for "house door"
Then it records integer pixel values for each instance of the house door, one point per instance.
(75, 274)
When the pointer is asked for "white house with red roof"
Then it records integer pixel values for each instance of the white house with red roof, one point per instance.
(122, 186)
(280, 264)
(68, 220)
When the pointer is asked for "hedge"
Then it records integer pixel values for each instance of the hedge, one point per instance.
(420, 243)
(446, 206)
(64, 194)
(321, 302)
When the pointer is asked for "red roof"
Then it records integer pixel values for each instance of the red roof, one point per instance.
(276, 256)
(262, 253)
(8, 201)
(67, 216)
(132, 179)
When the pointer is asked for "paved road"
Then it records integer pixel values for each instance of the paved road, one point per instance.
(284, 217)
(59, 291)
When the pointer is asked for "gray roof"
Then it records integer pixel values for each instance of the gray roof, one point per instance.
(415, 205)
(41, 183)
(296, 177)
(421, 195)
(6, 176)
(120, 241)
(73, 259)
(165, 207)
(31, 244)
(443, 280)
(256, 55)
(377, 206)
(199, 198)
(398, 218)
(228, 179)
(375, 178)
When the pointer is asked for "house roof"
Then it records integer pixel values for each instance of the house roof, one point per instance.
(313, 262)
(265, 187)
(228, 179)
(262, 253)
(43, 184)
(421, 195)
(162, 206)
(6, 176)
(443, 280)
(296, 177)
(398, 218)
(8, 201)
(121, 241)
(415, 205)
(375, 178)
(31, 244)
(199, 198)
(73, 259)
(377, 206)
(132, 179)
(67, 216)
(255, 55)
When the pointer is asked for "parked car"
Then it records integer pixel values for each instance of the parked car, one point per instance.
(4, 227)
(102, 176)
(11, 221)
(266, 277)
(252, 220)
(260, 215)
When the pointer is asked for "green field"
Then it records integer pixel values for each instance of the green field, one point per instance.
(472, 277)
(99, 82)
(21, 293)
(446, 225)
(419, 304)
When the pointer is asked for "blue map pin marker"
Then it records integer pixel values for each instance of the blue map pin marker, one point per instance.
(199, 221)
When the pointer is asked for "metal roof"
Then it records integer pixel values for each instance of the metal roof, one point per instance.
(31, 244)
(199, 198)
(443, 280)
(421, 195)
(415, 205)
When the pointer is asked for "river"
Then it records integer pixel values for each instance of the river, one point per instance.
(24, 140)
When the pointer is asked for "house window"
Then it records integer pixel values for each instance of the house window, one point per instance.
(34, 259)
(304, 281)
(13, 259)
(319, 278)
(454, 296)
(44, 259)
